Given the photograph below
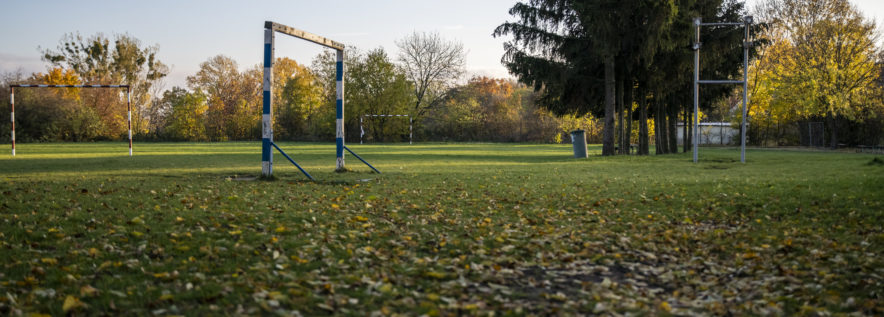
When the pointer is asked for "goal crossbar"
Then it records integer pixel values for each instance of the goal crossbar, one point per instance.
(128, 105)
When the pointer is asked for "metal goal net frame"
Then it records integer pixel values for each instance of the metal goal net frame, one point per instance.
(128, 105)
(270, 30)
(410, 124)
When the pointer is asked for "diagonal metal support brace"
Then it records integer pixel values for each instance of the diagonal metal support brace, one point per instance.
(293, 161)
(360, 158)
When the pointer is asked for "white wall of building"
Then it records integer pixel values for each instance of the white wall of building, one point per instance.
(713, 133)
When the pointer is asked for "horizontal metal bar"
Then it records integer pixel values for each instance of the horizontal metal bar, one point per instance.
(69, 86)
(284, 29)
(720, 82)
(386, 115)
(723, 24)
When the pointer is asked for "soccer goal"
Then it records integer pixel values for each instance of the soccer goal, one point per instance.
(410, 124)
(128, 105)
(270, 29)
(746, 24)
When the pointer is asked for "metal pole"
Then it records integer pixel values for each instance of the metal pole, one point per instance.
(747, 22)
(267, 116)
(697, 22)
(410, 130)
(129, 119)
(339, 111)
(12, 104)
(361, 131)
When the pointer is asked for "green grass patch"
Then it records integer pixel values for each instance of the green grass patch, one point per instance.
(446, 229)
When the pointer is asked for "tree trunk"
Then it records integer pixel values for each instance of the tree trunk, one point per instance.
(833, 130)
(608, 135)
(628, 136)
(685, 145)
(620, 110)
(660, 128)
(673, 129)
(643, 147)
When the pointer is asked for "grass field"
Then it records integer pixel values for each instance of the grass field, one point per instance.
(447, 229)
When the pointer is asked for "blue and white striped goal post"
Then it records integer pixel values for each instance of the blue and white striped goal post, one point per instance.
(267, 143)
(128, 105)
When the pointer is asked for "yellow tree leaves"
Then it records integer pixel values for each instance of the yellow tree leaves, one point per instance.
(821, 61)
(298, 99)
(59, 76)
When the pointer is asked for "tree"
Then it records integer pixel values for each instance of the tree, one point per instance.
(188, 114)
(231, 96)
(669, 75)
(96, 61)
(824, 63)
(432, 64)
(300, 101)
(378, 87)
(557, 45)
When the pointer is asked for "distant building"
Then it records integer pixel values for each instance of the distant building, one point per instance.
(713, 133)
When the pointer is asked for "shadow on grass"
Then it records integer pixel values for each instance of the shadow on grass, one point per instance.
(205, 163)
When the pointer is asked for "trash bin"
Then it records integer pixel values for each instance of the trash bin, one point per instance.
(578, 140)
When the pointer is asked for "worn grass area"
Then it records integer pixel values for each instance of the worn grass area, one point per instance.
(447, 229)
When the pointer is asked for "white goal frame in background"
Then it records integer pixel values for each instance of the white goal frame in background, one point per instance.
(128, 105)
(410, 125)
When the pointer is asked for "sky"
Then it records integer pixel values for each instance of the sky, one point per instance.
(189, 32)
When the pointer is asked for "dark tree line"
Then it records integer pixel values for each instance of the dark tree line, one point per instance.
(627, 59)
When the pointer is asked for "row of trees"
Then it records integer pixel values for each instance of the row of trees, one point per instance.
(621, 70)
(621, 60)
(221, 101)
(813, 60)
(823, 65)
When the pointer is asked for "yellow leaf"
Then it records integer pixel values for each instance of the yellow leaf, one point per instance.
(93, 252)
(104, 265)
(71, 303)
(434, 274)
(88, 291)
(166, 297)
(665, 306)
(50, 261)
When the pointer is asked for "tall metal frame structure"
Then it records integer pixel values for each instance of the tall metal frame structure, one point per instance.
(698, 22)
(128, 105)
(410, 124)
(267, 118)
